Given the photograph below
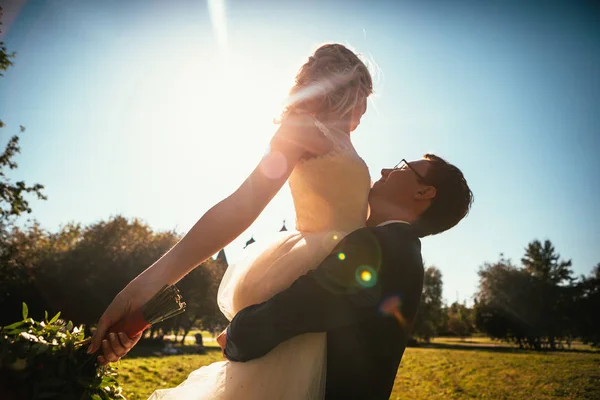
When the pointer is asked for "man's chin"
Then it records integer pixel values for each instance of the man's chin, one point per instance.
(372, 193)
(377, 186)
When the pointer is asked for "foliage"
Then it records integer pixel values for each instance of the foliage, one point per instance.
(503, 290)
(538, 305)
(544, 263)
(461, 320)
(48, 360)
(586, 308)
(199, 289)
(5, 56)
(13, 200)
(40, 267)
(430, 318)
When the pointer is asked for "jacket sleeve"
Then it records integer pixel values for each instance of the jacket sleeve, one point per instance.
(342, 290)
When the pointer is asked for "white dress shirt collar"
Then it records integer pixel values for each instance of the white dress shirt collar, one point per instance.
(392, 221)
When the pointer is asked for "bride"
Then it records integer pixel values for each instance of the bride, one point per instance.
(330, 185)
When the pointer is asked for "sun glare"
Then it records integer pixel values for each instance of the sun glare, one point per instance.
(223, 109)
(201, 117)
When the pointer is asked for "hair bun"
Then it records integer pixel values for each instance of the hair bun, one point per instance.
(333, 80)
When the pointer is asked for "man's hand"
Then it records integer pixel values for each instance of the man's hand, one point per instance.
(116, 347)
(222, 340)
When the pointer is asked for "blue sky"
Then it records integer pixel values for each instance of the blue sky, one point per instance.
(157, 112)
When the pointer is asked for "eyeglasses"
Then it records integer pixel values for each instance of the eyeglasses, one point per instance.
(403, 164)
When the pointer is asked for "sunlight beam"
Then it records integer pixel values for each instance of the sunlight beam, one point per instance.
(216, 9)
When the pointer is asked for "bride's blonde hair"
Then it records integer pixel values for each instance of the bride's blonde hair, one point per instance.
(334, 80)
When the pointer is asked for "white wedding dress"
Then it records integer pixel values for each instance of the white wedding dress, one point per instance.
(330, 196)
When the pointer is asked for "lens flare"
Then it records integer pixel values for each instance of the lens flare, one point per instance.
(366, 276)
(391, 306)
(274, 165)
(330, 240)
(341, 256)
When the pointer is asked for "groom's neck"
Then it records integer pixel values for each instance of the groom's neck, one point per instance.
(382, 214)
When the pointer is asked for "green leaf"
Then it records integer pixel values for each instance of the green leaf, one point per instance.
(15, 325)
(46, 316)
(25, 311)
(55, 318)
(16, 332)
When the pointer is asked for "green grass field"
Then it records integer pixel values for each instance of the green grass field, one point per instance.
(446, 369)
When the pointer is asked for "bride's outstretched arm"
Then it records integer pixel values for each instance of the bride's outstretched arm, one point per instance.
(229, 218)
(221, 224)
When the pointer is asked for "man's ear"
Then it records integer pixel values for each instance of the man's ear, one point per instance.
(425, 193)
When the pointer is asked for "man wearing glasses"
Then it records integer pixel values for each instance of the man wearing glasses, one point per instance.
(366, 293)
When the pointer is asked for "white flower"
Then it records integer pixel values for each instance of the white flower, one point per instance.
(29, 336)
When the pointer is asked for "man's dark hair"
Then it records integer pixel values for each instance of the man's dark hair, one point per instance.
(452, 201)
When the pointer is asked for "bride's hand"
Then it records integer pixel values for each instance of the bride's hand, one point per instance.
(128, 300)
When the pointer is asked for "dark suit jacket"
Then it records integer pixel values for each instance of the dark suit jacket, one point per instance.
(365, 295)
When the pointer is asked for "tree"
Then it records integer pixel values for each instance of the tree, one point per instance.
(78, 271)
(587, 306)
(544, 263)
(461, 320)
(82, 278)
(13, 200)
(531, 305)
(502, 305)
(552, 278)
(12, 195)
(430, 317)
(199, 290)
(22, 251)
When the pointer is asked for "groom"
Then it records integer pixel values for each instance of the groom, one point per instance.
(366, 293)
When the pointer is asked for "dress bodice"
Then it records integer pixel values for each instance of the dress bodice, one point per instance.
(330, 192)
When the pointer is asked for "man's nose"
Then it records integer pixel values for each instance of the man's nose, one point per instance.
(385, 172)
